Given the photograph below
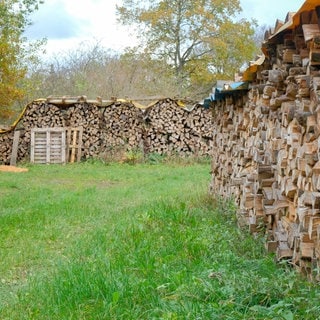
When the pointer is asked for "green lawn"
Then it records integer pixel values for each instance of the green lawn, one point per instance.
(118, 241)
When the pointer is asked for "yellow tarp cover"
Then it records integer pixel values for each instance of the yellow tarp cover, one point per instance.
(180, 103)
(254, 66)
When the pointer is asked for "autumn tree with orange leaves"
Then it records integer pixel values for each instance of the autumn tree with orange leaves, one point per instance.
(14, 52)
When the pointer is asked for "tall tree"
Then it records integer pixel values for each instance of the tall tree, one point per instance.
(14, 53)
(200, 39)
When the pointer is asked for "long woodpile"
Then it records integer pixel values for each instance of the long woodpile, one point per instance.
(267, 150)
(165, 127)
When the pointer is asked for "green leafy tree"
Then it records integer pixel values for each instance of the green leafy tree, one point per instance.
(200, 40)
(14, 51)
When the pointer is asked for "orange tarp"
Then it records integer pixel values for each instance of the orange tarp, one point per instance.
(294, 20)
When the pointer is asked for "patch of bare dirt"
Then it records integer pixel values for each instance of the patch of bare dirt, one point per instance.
(12, 169)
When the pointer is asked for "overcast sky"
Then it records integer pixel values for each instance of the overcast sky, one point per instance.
(67, 23)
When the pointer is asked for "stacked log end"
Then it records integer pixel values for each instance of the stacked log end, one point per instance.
(171, 129)
(87, 116)
(6, 141)
(121, 124)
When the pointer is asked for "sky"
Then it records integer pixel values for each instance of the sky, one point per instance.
(66, 24)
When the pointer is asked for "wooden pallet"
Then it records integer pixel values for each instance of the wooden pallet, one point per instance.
(48, 145)
(74, 144)
(56, 145)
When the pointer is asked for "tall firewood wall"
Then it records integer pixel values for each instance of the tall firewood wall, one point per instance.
(164, 128)
(266, 152)
(266, 155)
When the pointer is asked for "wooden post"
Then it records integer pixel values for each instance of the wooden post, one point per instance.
(13, 159)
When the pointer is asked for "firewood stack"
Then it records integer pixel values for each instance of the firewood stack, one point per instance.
(42, 114)
(198, 130)
(267, 158)
(122, 126)
(164, 127)
(171, 129)
(87, 116)
(6, 141)
(266, 153)
(37, 115)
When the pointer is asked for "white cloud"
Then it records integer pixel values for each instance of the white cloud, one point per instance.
(67, 23)
(52, 21)
(268, 11)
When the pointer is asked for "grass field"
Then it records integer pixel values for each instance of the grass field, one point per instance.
(117, 241)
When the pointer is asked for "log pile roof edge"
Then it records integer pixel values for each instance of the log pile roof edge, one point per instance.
(293, 19)
(65, 101)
